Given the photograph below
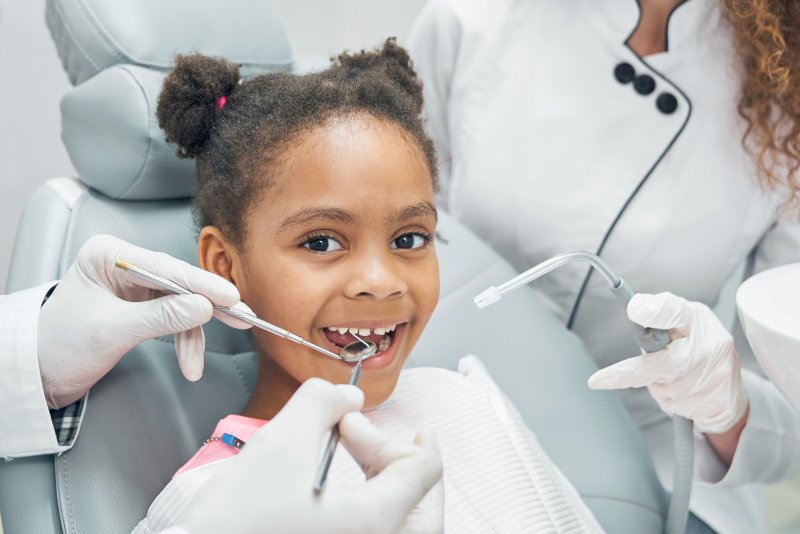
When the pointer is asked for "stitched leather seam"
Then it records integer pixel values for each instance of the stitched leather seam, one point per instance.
(105, 39)
(241, 375)
(70, 512)
(68, 256)
(146, 160)
(75, 41)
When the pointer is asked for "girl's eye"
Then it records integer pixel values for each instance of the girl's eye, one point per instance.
(410, 241)
(322, 244)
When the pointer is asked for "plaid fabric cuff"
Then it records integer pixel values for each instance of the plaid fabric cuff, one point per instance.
(66, 422)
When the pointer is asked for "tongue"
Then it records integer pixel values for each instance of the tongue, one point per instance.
(343, 339)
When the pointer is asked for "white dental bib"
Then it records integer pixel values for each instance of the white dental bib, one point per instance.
(497, 478)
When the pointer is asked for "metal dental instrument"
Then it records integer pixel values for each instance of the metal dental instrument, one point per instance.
(333, 440)
(650, 340)
(350, 354)
(233, 312)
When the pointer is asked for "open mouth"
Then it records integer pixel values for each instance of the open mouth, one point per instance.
(341, 336)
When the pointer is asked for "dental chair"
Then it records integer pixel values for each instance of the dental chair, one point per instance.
(143, 420)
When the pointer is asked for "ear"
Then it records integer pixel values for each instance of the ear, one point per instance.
(215, 254)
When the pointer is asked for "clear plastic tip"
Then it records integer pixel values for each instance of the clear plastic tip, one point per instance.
(487, 297)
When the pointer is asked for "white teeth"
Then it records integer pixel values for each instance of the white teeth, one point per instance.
(363, 331)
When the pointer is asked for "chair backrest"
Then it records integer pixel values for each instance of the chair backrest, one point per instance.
(143, 420)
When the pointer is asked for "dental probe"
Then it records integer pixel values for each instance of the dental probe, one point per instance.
(650, 340)
(233, 312)
(333, 440)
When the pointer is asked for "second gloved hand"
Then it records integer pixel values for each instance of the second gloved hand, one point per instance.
(696, 376)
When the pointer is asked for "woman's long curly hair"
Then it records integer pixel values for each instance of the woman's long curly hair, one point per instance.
(767, 40)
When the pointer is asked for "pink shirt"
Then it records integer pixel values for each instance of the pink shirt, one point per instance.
(238, 425)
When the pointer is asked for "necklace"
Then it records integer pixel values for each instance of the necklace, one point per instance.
(228, 439)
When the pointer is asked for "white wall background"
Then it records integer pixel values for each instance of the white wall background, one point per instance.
(32, 83)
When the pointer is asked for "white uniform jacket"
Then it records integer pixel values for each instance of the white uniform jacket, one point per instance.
(543, 150)
(26, 428)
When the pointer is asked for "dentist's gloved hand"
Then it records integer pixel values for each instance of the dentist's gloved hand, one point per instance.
(99, 312)
(697, 376)
(268, 486)
(393, 469)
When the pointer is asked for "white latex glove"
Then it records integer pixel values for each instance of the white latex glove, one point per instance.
(393, 468)
(99, 312)
(268, 486)
(697, 376)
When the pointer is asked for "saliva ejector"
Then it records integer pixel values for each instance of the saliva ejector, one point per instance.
(650, 340)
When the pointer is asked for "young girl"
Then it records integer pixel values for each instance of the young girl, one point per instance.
(315, 198)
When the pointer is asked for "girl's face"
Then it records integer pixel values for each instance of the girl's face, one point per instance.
(341, 241)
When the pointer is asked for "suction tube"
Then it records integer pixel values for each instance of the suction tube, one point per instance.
(650, 340)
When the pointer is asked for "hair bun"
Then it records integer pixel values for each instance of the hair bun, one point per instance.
(188, 104)
(394, 60)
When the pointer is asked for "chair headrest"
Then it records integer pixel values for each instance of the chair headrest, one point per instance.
(117, 53)
(110, 131)
(92, 35)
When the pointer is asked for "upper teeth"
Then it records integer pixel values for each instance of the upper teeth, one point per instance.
(363, 331)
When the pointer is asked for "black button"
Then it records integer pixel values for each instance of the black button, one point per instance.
(624, 73)
(666, 103)
(644, 84)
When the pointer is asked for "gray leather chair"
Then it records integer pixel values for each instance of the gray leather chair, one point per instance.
(143, 420)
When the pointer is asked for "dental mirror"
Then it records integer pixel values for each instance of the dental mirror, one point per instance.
(358, 350)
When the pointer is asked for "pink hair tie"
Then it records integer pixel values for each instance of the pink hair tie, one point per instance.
(221, 101)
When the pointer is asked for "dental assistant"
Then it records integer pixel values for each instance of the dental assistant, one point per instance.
(58, 339)
(616, 127)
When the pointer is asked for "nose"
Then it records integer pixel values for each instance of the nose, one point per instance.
(376, 276)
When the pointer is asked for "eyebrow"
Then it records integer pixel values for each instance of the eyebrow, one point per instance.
(302, 217)
(311, 214)
(423, 209)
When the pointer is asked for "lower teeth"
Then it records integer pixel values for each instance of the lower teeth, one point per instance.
(385, 342)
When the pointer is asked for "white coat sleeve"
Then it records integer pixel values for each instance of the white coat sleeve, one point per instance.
(769, 447)
(434, 46)
(27, 429)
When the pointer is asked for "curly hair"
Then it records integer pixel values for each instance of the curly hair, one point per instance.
(238, 129)
(767, 41)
